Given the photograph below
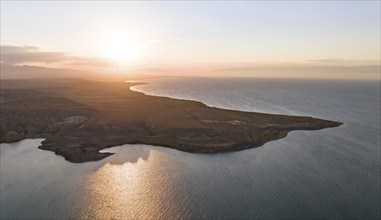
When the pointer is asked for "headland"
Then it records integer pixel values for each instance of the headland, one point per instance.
(78, 118)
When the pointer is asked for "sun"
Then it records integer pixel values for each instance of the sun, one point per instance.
(121, 49)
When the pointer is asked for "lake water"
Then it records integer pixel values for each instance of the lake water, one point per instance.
(330, 173)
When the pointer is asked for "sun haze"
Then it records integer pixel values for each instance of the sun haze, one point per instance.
(121, 49)
(251, 39)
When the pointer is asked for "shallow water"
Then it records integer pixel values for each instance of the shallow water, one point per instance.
(331, 173)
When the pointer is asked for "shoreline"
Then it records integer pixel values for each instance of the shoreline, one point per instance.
(85, 117)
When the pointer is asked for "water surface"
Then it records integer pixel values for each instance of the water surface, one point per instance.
(330, 173)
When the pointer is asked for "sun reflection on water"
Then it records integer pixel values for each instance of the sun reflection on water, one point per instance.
(138, 190)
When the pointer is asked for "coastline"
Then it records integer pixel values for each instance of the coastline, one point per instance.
(87, 117)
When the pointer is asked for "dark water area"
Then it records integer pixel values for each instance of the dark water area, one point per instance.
(330, 173)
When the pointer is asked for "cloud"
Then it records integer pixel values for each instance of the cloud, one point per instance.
(24, 57)
(93, 61)
(17, 55)
(21, 55)
(327, 60)
(343, 62)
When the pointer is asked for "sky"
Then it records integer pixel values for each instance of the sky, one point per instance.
(194, 37)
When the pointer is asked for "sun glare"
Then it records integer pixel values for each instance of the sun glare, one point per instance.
(121, 49)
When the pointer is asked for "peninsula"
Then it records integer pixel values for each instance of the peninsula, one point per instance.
(78, 118)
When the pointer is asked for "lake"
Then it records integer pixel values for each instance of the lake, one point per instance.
(330, 173)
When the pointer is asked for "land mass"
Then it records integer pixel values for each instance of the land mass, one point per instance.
(78, 118)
